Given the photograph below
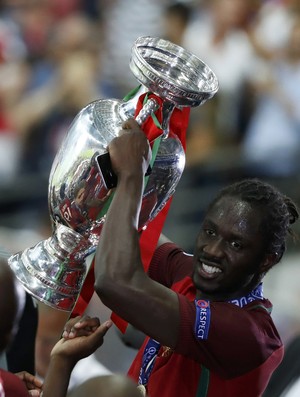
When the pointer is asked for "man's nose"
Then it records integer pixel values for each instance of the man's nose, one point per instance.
(214, 248)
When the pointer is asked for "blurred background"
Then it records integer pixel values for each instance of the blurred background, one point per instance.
(56, 56)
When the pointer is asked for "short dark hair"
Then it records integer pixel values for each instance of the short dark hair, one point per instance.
(279, 211)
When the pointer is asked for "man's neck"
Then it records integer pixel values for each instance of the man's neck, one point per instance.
(227, 297)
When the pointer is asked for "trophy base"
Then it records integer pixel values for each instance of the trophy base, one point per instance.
(49, 273)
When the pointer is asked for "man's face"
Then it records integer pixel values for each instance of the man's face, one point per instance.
(229, 250)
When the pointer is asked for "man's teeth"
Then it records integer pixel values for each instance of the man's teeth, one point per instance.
(211, 269)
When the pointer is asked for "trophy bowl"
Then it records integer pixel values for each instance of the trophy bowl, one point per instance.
(53, 271)
(172, 72)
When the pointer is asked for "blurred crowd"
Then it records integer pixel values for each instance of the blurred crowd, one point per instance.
(56, 56)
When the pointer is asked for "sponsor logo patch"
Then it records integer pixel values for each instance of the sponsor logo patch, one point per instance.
(202, 318)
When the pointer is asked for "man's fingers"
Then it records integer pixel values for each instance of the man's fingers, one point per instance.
(129, 124)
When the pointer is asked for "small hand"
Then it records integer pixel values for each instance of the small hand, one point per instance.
(33, 384)
(81, 337)
(80, 326)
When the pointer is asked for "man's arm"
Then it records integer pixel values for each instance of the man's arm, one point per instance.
(120, 280)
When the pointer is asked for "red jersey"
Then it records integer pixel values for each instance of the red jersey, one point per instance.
(241, 351)
(11, 385)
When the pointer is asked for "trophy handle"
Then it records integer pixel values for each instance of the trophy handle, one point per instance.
(150, 107)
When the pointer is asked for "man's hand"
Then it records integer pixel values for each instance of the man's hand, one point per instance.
(130, 152)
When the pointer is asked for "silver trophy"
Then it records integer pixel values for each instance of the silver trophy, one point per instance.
(53, 271)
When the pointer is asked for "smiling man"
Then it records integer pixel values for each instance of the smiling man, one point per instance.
(209, 327)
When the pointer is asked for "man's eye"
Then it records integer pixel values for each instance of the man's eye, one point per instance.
(236, 245)
(209, 232)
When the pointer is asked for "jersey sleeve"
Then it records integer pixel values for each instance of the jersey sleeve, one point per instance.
(170, 264)
(238, 339)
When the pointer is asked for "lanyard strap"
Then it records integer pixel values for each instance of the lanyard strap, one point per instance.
(203, 382)
(150, 353)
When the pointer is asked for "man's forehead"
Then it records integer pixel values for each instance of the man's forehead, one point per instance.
(228, 204)
(235, 212)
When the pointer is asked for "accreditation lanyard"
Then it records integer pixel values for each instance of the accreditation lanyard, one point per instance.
(149, 356)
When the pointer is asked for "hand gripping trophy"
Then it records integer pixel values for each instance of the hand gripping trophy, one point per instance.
(171, 80)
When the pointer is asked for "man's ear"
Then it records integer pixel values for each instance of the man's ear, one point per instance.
(269, 261)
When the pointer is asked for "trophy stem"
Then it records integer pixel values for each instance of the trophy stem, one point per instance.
(167, 110)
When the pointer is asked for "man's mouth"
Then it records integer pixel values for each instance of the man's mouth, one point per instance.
(208, 270)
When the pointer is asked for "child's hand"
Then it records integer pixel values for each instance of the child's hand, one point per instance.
(81, 337)
(80, 326)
